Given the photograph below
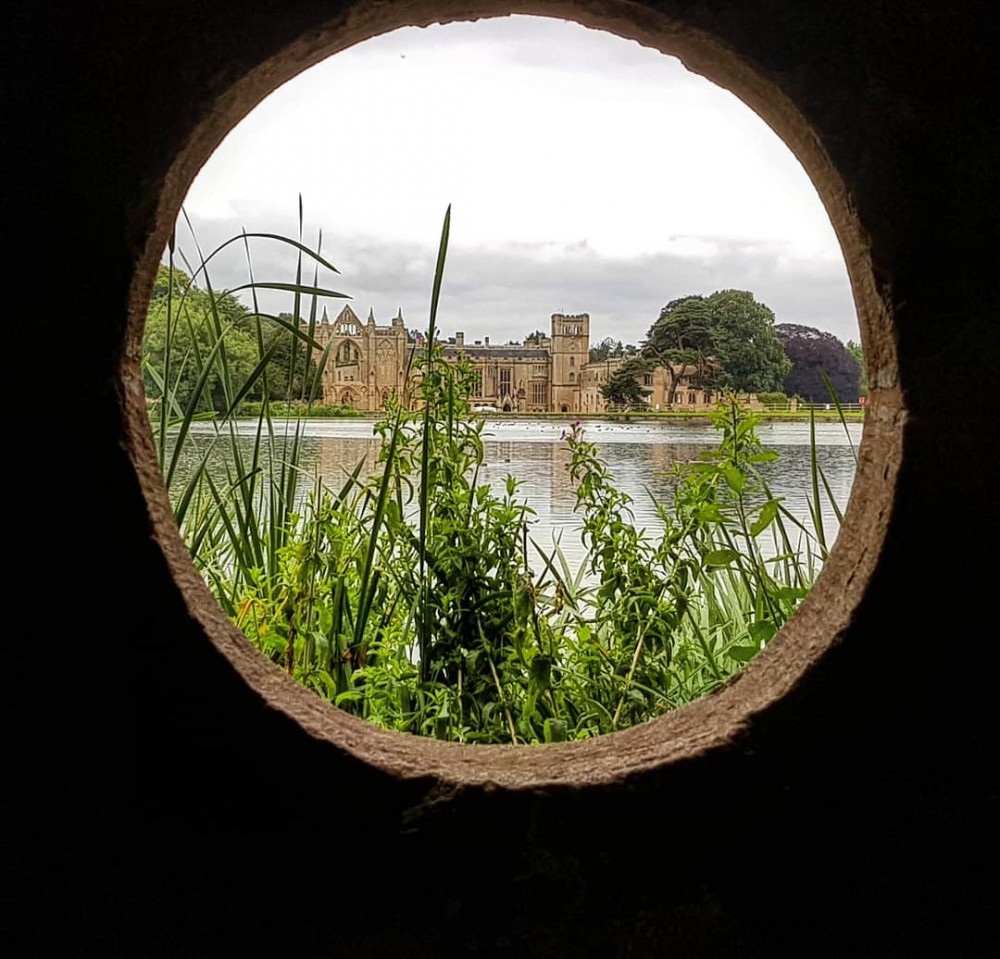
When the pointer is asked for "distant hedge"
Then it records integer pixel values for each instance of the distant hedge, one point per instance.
(305, 410)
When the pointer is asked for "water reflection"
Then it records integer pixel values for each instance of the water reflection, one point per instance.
(639, 455)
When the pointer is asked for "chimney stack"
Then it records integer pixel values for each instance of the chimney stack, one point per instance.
(459, 338)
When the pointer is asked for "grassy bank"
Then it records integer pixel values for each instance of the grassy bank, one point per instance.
(774, 416)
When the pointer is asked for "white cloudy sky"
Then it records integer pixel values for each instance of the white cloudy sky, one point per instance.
(585, 173)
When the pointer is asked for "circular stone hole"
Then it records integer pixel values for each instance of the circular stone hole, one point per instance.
(358, 373)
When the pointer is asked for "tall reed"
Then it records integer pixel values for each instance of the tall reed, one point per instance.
(236, 525)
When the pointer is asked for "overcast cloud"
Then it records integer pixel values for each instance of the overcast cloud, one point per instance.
(586, 174)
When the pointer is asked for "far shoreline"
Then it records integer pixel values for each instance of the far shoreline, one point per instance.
(694, 416)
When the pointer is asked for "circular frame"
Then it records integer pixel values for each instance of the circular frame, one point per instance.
(708, 724)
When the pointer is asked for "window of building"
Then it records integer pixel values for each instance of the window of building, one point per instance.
(538, 394)
(505, 381)
(647, 379)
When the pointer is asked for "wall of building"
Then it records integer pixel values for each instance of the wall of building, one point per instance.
(368, 363)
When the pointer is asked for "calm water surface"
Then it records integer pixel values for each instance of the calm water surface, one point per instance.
(638, 454)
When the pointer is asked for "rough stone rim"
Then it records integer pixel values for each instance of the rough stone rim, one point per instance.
(822, 620)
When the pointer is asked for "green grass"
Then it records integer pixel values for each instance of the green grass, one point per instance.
(832, 415)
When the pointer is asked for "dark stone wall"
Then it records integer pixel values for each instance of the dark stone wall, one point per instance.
(849, 809)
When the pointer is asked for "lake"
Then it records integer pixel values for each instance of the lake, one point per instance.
(639, 455)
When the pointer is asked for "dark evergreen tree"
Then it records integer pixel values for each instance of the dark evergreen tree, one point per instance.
(623, 388)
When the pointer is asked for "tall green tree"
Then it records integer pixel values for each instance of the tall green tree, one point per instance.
(607, 349)
(682, 339)
(182, 320)
(726, 341)
(747, 348)
(288, 377)
(187, 321)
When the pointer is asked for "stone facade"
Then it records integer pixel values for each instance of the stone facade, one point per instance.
(367, 363)
(669, 389)
(541, 375)
(545, 374)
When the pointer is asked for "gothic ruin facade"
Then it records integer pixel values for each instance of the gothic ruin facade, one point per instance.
(367, 363)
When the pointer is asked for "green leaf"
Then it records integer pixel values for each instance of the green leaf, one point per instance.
(743, 654)
(541, 669)
(721, 557)
(762, 632)
(734, 478)
(791, 594)
(274, 641)
(767, 514)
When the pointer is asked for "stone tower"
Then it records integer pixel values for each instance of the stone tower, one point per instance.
(570, 351)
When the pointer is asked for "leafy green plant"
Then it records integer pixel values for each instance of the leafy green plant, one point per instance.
(414, 595)
(647, 624)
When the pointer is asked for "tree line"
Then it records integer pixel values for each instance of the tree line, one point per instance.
(729, 342)
(187, 321)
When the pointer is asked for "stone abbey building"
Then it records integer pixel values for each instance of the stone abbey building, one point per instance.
(545, 374)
